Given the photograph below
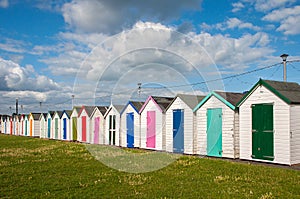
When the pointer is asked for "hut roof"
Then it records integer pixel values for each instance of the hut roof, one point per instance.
(289, 92)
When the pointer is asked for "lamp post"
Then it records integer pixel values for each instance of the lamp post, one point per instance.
(284, 57)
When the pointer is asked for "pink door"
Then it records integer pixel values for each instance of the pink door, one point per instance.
(96, 132)
(83, 119)
(150, 129)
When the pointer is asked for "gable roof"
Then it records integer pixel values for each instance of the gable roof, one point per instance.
(59, 113)
(134, 104)
(289, 92)
(190, 100)
(228, 98)
(36, 116)
(89, 110)
(161, 102)
(44, 115)
(51, 113)
(117, 107)
(76, 108)
(67, 112)
(102, 109)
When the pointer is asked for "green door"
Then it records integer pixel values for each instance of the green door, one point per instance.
(214, 132)
(56, 128)
(262, 132)
(74, 128)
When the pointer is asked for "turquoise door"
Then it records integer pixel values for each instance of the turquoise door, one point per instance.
(214, 132)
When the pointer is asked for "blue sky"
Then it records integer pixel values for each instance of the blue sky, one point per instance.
(99, 50)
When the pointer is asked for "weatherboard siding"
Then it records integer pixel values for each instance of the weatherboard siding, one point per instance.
(113, 111)
(101, 129)
(74, 115)
(227, 127)
(151, 106)
(79, 129)
(187, 127)
(236, 135)
(295, 134)
(123, 126)
(281, 112)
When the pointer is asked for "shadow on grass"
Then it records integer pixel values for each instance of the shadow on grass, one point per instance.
(133, 160)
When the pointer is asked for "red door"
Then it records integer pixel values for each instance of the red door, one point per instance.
(150, 129)
(11, 127)
(83, 119)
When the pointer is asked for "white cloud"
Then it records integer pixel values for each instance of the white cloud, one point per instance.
(15, 77)
(237, 6)
(231, 23)
(110, 17)
(236, 23)
(267, 5)
(289, 19)
(4, 3)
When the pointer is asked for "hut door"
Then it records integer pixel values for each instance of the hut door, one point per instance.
(83, 126)
(130, 130)
(74, 128)
(214, 132)
(49, 127)
(11, 127)
(178, 135)
(96, 130)
(112, 130)
(262, 132)
(26, 127)
(56, 128)
(151, 129)
(30, 127)
(65, 128)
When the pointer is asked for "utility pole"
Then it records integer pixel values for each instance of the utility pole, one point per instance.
(72, 101)
(139, 89)
(284, 57)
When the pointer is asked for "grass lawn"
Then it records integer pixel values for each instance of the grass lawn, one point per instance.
(37, 168)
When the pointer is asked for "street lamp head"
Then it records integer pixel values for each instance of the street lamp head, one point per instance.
(284, 56)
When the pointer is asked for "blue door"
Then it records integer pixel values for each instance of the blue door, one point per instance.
(65, 129)
(49, 127)
(130, 130)
(214, 132)
(178, 131)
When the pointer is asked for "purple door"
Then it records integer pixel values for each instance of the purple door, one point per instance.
(150, 129)
(96, 131)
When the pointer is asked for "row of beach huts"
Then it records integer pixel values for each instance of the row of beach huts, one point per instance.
(262, 124)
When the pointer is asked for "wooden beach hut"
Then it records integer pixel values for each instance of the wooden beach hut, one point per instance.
(74, 123)
(65, 125)
(49, 123)
(218, 125)
(112, 125)
(34, 124)
(180, 124)
(56, 126)
(98, 124)
(130, 124)
(43, 125)
(84, 116)
(270, 123)
(153, 122)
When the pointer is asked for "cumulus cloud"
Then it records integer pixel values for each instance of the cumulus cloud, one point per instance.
(231, 23)
(237, 6)
(13, 77)
(289, 18)
(267, 5)
(110, 17)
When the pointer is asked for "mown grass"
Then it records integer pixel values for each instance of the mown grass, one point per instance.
(37, 168)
